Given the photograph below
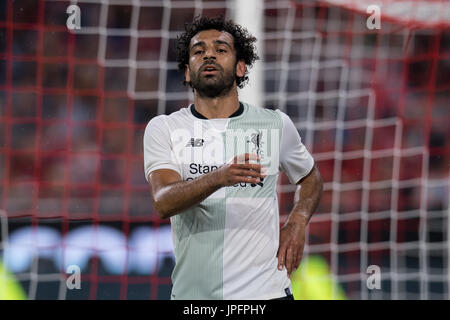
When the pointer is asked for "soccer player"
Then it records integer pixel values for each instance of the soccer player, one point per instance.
(212, 168)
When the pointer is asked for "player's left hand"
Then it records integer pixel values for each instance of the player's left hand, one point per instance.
(292, 242)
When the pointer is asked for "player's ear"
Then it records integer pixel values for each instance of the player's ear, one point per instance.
(241, 68)
(187, 77)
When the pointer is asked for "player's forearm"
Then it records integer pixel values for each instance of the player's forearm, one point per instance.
(307, 199)
(181, 195)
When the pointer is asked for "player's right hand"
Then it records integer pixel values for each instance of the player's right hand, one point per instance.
(240, 169)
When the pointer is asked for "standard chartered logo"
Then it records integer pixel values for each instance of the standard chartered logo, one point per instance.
(197, 169)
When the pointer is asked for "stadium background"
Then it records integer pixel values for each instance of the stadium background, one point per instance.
(371, 105)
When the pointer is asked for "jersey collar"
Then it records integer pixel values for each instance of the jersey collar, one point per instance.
(197, 114)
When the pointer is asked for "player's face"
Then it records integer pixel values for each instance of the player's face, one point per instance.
(212, 67)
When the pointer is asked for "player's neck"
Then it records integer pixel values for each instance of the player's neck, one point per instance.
(218, 107)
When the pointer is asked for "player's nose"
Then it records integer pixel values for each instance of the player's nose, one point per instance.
(209, 54)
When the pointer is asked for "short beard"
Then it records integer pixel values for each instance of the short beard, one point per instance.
(213, 89)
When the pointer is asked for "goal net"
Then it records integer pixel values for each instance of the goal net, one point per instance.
(369, 97)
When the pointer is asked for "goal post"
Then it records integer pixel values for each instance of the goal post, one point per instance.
(250, 14)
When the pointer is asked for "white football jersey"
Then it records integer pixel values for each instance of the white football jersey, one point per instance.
(226, 246)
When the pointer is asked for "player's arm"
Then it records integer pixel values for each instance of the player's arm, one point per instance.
(171, 195)
(299, 166)
(292, 235)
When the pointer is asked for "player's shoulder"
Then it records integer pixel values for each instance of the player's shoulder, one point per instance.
(273, 114)
(181, 113)
(165, 119)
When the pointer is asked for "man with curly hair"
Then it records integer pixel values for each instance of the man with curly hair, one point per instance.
(213, 168)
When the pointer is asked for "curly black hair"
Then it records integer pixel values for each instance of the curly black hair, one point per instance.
(243, 42)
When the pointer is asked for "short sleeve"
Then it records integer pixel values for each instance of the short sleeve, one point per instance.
(158, 152)
(295, 160)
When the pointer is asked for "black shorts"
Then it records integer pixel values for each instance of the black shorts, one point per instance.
(288, 296)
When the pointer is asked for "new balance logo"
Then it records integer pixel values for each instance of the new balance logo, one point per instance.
(195, 142)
